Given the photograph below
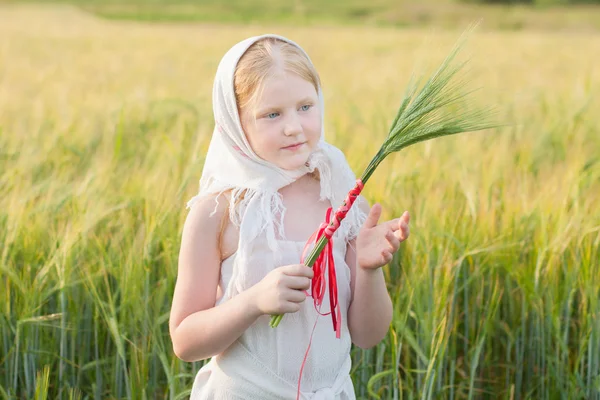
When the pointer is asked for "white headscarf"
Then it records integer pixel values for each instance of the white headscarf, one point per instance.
(231, 164)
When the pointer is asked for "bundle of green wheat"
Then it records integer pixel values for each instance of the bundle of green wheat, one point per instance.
(438, 109)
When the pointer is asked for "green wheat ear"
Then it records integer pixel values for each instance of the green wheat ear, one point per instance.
(438, 109)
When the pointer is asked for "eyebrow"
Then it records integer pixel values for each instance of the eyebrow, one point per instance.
(307, 100)
(269, 109)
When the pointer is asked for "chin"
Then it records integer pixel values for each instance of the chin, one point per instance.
(291, 165)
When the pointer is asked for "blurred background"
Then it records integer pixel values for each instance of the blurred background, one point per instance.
(105, 117)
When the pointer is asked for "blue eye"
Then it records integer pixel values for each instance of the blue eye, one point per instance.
(272, 115)
(306, 107)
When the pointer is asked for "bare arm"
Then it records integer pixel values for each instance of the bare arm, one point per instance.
(371, 311)
(198, 329)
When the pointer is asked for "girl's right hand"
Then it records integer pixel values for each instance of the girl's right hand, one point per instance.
(282, 290)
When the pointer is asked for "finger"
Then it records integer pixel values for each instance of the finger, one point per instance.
(393, 240)
(373, 217)
(406, 217)
(290, 308)
(387, 256)
(296, 296)
(393, 224)
(299, 270)
(306, 271)
(298, 282)
(403, 233)
(396, 223)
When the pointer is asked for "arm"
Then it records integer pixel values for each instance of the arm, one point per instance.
(198, 329)
(370, 312)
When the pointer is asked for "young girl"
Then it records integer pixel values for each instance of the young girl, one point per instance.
(267, 183)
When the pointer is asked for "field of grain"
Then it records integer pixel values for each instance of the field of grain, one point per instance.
(103, 128)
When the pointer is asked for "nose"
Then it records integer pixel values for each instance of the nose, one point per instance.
(292, 126)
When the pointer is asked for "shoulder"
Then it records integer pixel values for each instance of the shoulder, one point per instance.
(206, 214)
(208, 220)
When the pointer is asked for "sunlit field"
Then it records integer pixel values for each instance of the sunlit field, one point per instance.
(103, 130)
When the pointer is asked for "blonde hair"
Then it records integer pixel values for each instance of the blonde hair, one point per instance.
(263, 58)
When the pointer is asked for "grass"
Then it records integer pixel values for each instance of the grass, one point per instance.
(395, 13)
(103, 127)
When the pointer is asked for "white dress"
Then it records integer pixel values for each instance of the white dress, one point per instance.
(264, 363)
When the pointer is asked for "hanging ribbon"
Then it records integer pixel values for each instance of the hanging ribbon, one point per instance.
(325, 261)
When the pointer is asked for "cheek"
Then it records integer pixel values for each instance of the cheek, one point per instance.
(267, 140)
(313, 128)
(249, 131)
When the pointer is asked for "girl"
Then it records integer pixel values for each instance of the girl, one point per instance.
(267, 183)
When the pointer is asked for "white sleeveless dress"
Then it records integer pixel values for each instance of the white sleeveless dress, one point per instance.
(264, 363)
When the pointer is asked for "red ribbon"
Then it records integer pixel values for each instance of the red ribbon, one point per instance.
(325, 261)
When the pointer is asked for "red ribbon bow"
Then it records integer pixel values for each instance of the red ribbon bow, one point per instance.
(325, 261)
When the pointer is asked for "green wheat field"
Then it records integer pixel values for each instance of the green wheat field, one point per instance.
(103, 129)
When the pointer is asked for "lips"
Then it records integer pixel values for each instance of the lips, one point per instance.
(294, 146)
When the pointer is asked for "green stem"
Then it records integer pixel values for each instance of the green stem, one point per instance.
(310, 261)
(314, 254)
(373, 165)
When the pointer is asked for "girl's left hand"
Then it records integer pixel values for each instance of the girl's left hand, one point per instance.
(376, 244)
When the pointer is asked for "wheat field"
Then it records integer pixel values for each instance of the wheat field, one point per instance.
(103, 129)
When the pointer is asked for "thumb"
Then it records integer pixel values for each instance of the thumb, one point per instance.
(373, 216)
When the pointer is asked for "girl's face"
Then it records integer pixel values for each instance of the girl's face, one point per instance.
(283, 127)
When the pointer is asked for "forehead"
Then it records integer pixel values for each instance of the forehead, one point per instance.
(286, 86)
